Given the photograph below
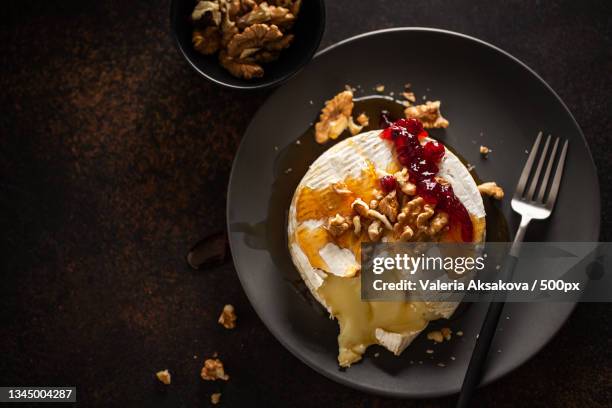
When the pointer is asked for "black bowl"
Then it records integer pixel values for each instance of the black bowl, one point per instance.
(308, 30)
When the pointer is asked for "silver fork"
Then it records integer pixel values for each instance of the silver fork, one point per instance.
(531, 207)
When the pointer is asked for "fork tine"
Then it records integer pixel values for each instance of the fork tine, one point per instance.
(520, 187)
(554, 189)
(540, 197)
(536, 176)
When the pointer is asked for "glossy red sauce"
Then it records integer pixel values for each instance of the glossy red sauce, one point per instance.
(422, 162)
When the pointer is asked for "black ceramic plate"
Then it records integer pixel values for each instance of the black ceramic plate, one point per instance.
(490, 98)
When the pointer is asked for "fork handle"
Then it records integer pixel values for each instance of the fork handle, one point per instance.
(484, 340)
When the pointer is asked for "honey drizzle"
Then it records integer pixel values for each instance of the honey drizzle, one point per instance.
(318, 204)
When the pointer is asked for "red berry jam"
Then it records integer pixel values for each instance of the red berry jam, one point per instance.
(388, 183)
(422, 161)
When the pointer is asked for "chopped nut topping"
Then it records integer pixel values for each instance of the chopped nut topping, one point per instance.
(228, 317)
(484, 150)
(413, 207)
(375, 231)
(441, 180)
(164, 377)
(418, 220)
(428, 113)
(438, 222)
(357, 225)
(381, 218)
(213, 370)
(406, 233)
(435, 336)
(337, 225)
(363, 119)
(353, 127)
(407, 187)
(334, 117)
(360, 207)
(215, 398)
(423, 218)
(491, 189)
(389, 206)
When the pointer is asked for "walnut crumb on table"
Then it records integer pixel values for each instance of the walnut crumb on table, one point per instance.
(215, 398)
(164, 377)
(213, 370)
(380, 88)
(228, 317)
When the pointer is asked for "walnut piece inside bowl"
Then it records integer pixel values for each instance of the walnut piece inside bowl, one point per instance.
(245, 34)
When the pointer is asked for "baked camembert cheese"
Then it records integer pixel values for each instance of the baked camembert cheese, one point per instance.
(392, 185)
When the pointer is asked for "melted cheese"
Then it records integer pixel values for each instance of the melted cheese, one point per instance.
(359, 320)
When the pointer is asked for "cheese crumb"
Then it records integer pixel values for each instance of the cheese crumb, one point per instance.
(164, 377)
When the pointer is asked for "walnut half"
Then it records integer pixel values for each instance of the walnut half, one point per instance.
(334, 117)
(240, 69)
(257, 36)
(428, 113)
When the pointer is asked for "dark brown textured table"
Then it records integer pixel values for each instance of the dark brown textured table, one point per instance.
(114, 160)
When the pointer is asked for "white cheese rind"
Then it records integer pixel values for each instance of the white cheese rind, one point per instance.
(348, 159)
